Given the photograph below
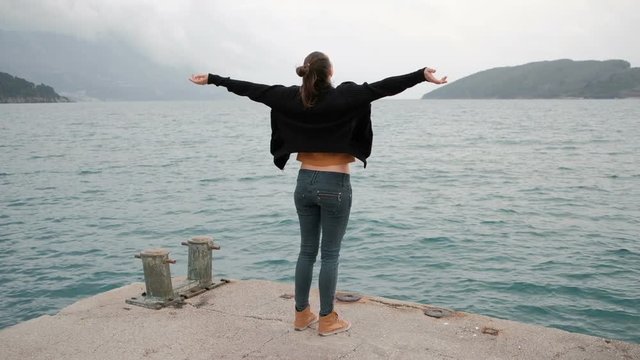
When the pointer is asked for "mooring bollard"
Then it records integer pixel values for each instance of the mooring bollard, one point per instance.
(200, 260)
(157, 276)
(157, 279)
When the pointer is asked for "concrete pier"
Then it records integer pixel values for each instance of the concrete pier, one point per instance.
(253, 320)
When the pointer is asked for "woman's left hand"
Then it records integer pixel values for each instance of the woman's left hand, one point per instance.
(200, 79)
(428, 75)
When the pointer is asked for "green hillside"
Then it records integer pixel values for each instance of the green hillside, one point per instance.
(16, 90)
(547, 80)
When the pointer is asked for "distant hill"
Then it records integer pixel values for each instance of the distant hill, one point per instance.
(104, 69)
(16, 90)
(547, 80)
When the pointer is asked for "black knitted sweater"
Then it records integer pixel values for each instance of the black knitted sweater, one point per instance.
(338, 122)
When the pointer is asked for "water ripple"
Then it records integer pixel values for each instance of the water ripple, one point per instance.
(474, 209)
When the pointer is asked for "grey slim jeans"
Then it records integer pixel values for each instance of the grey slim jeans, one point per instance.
(323, 203)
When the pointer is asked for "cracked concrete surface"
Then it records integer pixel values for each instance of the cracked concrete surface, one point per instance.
(253, 320)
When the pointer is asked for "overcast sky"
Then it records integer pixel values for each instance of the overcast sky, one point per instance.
(263, 41)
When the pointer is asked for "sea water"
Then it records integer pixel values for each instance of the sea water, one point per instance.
(527, 210)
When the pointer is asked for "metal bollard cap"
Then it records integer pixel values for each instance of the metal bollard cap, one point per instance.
(155, 252)
(201, 240)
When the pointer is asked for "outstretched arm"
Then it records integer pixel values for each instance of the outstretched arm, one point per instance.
(395, 85)
(269, 95)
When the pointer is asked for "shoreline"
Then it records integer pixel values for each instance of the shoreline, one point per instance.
(252, 319)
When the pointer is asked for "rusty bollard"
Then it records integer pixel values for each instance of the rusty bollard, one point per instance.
(157, 279)
(200, 260)
(160, 291)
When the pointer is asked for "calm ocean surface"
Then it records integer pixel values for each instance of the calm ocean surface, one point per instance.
(525, 210)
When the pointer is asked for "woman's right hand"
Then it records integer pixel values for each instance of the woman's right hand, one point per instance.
(428, 75)
(200, 79)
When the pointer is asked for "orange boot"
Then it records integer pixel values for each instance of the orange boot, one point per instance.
(332, 324)
(304, 319)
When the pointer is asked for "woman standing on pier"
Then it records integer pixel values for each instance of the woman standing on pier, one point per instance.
(328, 127)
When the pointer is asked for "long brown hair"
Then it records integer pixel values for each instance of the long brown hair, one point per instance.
(315, 74)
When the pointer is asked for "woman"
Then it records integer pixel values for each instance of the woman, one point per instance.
(328, 127)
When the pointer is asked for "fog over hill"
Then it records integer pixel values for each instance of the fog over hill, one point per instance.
(103, 69)
(547, 80)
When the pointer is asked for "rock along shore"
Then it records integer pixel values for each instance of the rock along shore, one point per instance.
(253, 320)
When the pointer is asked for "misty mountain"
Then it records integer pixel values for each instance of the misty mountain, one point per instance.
(547, 80)
(104, 69)
(17, 90)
